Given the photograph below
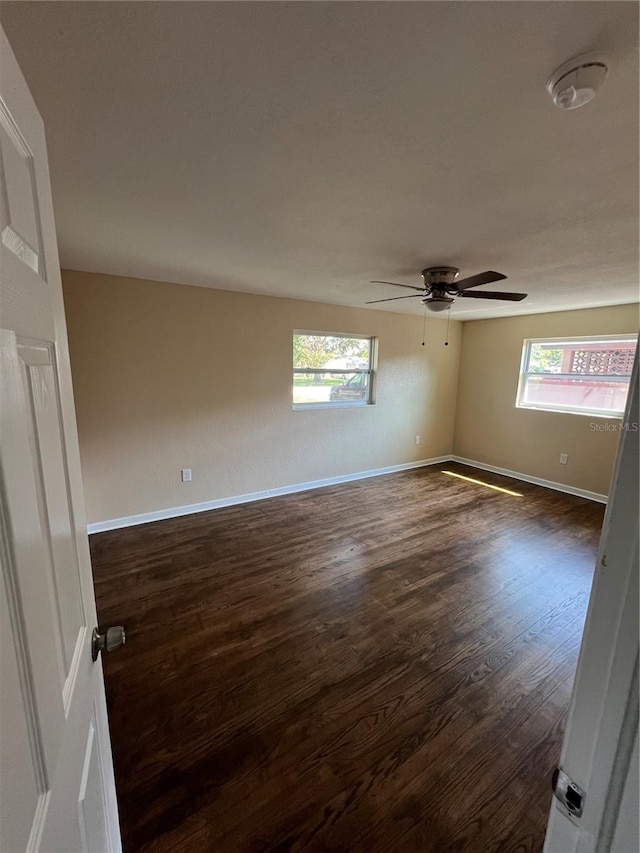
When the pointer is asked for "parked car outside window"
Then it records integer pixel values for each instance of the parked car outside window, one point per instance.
(357, 388)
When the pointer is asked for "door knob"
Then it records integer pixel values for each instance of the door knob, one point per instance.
(111, 640)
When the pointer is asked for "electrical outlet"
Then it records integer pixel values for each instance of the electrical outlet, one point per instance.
(185, 475)
(563, 458)
(417, 439)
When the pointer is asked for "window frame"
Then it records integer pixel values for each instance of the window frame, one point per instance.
(369, 371)
(525, 374)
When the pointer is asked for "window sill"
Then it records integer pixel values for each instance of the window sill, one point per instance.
(300, 407)
(582, 413)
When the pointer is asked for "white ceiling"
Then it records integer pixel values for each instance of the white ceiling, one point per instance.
(301, 149)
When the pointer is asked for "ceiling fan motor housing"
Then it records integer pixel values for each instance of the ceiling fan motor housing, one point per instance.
(440, 277)
(438, 282)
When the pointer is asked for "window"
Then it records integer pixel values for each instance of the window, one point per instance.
(585, 376)
(332, 370)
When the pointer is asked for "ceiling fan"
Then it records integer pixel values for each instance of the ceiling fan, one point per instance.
(440, 286)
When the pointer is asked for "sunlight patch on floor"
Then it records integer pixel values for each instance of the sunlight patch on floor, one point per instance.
(482, 483)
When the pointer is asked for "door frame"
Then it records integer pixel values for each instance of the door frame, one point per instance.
(603, 718)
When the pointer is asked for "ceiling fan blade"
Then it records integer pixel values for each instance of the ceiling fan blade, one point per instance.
(488, 294)
(396, 284)
(481, 278)
(393, 298)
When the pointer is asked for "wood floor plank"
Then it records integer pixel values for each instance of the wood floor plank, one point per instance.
(382, 665)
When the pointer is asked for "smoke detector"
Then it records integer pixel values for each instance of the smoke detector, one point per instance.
(576, 82)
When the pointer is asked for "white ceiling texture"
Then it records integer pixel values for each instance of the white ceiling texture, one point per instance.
(300, 149)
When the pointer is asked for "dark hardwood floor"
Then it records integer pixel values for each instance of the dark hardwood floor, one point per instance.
(378, 666)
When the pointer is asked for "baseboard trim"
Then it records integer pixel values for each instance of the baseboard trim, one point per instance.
(190, 509)
(537, 481)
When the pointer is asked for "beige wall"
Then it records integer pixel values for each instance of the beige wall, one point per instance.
(168, 377)
(489, 428)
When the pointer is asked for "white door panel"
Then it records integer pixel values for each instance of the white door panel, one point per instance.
(19, 800)
(58, 792)
(19, 222)
(93, 829)
(27, 575)
(47, 449)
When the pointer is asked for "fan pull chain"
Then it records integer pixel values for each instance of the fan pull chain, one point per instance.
(424, 322)
(446, 342)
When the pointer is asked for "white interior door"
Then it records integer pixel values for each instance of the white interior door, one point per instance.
(600, 748)
(56, 775)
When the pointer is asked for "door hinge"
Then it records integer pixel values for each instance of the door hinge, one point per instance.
(567, 792)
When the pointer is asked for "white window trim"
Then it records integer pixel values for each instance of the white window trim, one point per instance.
(370, 371)
(567, 410)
